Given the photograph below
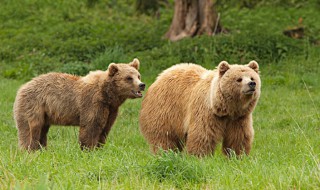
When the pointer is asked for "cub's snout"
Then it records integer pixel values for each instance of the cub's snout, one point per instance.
(142, 86)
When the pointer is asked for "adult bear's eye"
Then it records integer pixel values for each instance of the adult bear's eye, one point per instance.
(129, 78)
(252, 78)
(239, 79)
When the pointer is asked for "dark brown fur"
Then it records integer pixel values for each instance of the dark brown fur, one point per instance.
(90, 102)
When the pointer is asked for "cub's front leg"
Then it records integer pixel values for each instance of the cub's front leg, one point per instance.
(91, 126)
(110, 121)
(238, 136)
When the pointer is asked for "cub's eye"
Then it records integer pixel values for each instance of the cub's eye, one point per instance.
(129, 78)
(252, 78)
(239, 79)
(139, 77)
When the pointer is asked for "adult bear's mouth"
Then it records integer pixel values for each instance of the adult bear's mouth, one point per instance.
(249, 92)
(137, 94)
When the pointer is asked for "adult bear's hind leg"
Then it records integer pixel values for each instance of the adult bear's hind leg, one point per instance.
(200, 145)
(165, 141)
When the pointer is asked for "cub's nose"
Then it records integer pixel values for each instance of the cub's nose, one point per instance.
(252, 84)
(142, 86)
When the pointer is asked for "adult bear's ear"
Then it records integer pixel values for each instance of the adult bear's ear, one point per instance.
(223, 67)
(254, 65)
(113, 69)
(135, 63)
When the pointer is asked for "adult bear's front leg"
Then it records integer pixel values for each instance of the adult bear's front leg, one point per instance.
(238, 136)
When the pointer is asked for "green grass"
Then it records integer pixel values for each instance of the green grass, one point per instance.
(285, 153)
(70, 36)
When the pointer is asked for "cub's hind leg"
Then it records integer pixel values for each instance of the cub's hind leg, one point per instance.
(23, 133)
(43, 135)
(36, 127)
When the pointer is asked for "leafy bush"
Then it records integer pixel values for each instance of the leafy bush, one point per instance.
(78, 36)
(260, 3)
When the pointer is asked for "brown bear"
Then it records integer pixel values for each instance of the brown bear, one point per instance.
(197, 108)
(90, 102)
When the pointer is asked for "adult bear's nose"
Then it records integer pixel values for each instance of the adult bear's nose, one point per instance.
(142, 86)
(252, 84)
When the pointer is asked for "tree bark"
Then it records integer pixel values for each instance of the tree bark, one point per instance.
(192, 18)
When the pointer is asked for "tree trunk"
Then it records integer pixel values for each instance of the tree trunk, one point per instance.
(193, 17)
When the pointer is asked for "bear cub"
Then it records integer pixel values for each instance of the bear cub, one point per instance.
(91, 102)
(194, 108)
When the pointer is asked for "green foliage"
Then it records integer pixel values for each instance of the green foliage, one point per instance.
(269, 3)
(70, 36)
(147, 6)
(175, 167)
(114, 55)
(76, 68)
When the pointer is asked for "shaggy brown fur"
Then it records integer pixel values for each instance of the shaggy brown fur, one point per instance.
(90, 102)
(189, 105)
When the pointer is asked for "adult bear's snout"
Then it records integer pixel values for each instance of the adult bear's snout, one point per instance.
(252, 85)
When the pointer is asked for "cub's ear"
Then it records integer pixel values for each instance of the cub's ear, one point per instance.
(254, 65)
(113, 69)
(135, 63)
(223, 67)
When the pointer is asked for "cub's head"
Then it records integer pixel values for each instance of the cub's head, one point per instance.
(126, 79)
(239, 82)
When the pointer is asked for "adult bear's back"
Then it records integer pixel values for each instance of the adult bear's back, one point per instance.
(164, 102)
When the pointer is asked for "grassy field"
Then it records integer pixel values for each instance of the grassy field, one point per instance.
(286, 149)
(285, 153)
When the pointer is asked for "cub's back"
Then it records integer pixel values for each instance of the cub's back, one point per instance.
(48, 84)
(52, 92)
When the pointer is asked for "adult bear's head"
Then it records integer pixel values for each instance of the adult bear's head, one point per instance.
(238, 86)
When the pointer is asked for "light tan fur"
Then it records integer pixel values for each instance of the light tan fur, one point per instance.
(189, 106)
(90, 102)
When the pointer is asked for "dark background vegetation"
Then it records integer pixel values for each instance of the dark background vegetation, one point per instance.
(77, 36)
